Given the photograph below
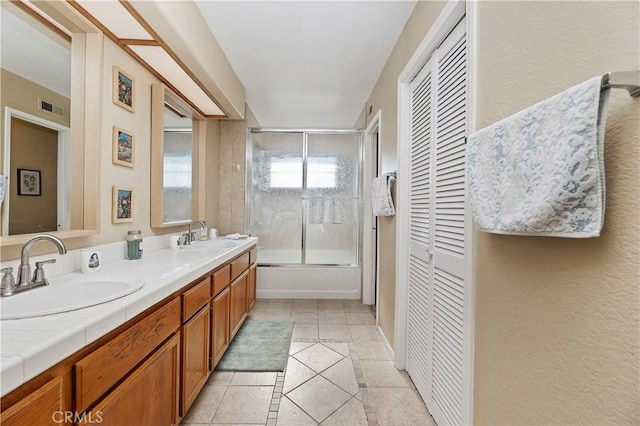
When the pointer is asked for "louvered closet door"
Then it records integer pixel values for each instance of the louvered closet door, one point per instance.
(435, 332)
(419, 329)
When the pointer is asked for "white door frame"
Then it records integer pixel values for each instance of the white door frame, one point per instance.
(63, 165)
(446, 21)
(369, 238)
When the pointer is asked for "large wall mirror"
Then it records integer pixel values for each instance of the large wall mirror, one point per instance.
(175, 153)
(48, 57)
(36, 139)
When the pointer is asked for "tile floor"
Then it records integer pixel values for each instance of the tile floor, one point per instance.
(339, 373)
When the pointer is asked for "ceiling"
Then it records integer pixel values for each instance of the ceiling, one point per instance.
(304, 64)
(307, 64)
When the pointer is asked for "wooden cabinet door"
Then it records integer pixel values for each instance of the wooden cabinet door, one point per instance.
(220, 325)
(44, 406)
(195, 357)
(251, 291)
(238, 302)
(149, 396)
(96, 373)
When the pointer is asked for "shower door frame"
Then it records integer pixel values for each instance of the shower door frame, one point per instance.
(249, 192)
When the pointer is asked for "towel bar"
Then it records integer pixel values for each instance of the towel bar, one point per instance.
(629, 80)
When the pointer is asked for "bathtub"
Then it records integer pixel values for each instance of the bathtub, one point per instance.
(329, 278)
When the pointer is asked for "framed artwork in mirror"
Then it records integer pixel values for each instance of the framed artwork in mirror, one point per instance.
(122, 205)
(123, 89)
(123, 147)
(29, 182)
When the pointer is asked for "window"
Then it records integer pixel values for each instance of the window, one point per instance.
(287, 172)
(321, 172)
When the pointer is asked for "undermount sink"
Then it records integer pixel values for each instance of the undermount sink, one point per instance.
(69, 295)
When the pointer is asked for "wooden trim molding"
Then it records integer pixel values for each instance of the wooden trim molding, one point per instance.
(175, 110)
(155, 41)
(137, 42)
(44, 21)
(94, 21)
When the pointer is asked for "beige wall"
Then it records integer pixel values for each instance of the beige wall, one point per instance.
(139, 123)
(557, 320)
(22, 94)
(233, 145)
(384, 98)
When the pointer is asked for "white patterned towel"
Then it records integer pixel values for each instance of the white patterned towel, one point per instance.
(317, 210)
(337, 210)
(381, 200)
(541, 171)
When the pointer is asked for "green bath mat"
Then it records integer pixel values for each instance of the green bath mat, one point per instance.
(258, 346)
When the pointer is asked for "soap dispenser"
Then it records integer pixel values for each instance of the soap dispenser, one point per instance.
(134, 244)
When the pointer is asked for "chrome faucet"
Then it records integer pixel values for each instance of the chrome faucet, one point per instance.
(189, 239)
(24, 282)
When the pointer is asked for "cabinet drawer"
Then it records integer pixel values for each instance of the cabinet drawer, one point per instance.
(149, 396)
(221, 279)
(239, 265)
(195, 298)
(96, 373)
(253, 255)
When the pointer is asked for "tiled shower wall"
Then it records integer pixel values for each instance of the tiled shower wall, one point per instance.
(233, 140)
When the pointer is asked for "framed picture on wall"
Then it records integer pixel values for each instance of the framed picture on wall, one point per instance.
(123, 89)
(29, 182)
(122, 207)
(123, 147)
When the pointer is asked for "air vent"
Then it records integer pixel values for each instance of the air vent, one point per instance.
(50, 107)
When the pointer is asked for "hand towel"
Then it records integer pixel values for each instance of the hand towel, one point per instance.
(3, 187)
(236, 236)
(541, 170)
(381, 200)
(337, 210)
(317, 207)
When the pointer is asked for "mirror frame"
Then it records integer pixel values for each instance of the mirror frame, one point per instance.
(158, 94)
(86, 110)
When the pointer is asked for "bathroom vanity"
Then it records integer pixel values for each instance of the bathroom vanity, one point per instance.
(155, 350)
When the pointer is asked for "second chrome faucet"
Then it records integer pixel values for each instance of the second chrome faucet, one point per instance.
(189, 238)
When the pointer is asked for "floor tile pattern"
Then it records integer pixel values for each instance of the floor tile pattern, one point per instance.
(338, 373)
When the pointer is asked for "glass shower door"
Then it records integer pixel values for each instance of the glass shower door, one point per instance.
(276, 211)
(304, 199)
(331, 198)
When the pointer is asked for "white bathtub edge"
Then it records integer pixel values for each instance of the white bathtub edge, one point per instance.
(309, 283)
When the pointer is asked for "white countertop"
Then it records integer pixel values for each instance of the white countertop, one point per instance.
(32, 345)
